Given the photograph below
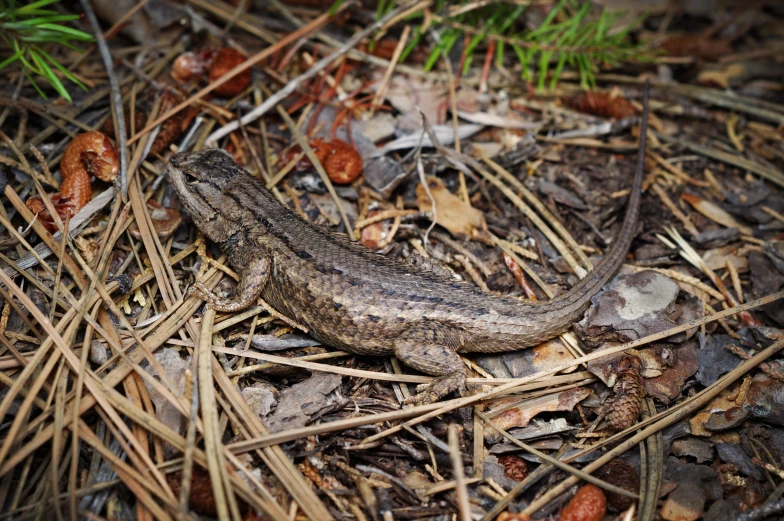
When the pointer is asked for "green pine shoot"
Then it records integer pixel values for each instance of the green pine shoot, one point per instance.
(570, 35)
(25, 30)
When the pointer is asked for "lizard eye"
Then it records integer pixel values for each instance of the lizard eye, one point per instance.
(189, 178)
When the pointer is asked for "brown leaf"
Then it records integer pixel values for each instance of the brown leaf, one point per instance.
(451, 212)
(686, 503)
(562, 401)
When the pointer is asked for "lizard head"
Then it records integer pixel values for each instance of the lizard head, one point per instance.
(200, 179)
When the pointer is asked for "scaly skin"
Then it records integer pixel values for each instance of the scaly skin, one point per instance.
(353, 299)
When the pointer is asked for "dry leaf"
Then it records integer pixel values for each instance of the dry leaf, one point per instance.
(411, 95)
(521, 415)
(722, 403)
(714, 212)
(686, 503)
(451, 213)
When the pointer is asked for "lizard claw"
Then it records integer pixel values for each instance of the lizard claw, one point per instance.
(200, 291)
(434, 391)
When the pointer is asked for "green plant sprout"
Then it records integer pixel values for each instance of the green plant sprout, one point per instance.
(568, 35)
(26, 29)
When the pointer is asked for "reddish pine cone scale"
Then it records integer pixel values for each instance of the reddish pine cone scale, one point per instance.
(91, 153)
(341, 161)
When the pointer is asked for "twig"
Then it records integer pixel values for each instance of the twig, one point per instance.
(382, 88)
(763, 512)
(212, 437)
(117, 100)
(682, 217)
(305, 146)
(358, 373)
(541, 208)
(654, 465)
(455, 455)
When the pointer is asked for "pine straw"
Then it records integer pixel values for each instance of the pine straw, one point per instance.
(143, 475)
(48, 414)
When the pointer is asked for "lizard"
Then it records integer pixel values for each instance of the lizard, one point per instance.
(354, 299)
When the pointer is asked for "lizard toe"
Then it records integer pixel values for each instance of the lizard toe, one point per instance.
(434, 391)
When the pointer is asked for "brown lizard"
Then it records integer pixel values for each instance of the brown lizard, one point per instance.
(354, 299)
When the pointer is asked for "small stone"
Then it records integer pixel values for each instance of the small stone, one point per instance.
(98, 354)
(261, 398)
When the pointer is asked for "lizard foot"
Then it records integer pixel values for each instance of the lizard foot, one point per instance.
(425, 347)
(437, 389)
(201, 292)
(213, 301)
(249, 288)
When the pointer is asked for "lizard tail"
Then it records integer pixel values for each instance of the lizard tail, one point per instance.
(567, 308)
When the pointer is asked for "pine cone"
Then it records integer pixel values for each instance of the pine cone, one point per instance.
(622, 475)
(588, 504)
(515, 467)
(603, 104)
(624, 408)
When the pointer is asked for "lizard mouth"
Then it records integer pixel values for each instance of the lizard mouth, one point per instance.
(176, 174)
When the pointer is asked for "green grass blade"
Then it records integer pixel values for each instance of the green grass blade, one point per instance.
(65, 72)
(544, 66)
(335, 6)
(11, 59)
(558, 69)
(34, 84)
(411, 45)
(26, 10)
(73, 33)
(49, 74)
(47, 19)
(512, 18)
(27, 65)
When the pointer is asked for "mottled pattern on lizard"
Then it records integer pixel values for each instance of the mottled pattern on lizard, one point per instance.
(354, 299)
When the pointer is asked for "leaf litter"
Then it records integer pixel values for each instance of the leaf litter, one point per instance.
(120, 398)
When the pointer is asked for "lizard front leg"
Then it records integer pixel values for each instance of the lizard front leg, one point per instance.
(253, 278)
(426, 349)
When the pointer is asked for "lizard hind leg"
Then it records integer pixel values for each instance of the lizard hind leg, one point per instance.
(433, 358)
